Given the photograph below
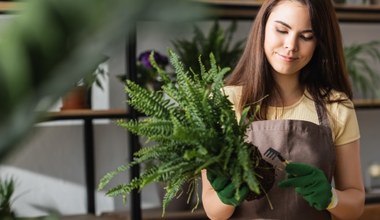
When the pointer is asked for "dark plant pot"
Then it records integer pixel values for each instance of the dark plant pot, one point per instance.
(177, 204)
(77, 98)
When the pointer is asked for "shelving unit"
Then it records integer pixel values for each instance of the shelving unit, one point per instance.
(87, 116)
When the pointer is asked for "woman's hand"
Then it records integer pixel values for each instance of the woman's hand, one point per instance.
(213, 206)
(225, 190)
(310, 182)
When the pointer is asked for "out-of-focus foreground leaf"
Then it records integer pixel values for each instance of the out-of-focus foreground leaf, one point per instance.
(50, 44)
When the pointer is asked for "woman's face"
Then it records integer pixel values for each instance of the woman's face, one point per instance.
(289, 40)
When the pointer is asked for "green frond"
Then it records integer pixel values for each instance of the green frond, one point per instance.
(152, 128)
(174, 189)
(195, 128)
(7, 187)
(110, 175)
(164, 75)
(149, 102)
(124, 189)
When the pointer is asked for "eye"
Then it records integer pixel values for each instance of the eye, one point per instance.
(307, 37)
(282, 31)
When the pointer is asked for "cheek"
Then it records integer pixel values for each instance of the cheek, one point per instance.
(308, 52)
(269, 43)
(272, 40)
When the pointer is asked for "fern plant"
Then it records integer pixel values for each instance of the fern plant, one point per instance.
(194, 127)
(217, 41)
(364, 77)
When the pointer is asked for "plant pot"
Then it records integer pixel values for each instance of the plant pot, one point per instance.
(77, 98)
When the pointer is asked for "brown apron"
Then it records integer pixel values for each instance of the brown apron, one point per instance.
(298, 141)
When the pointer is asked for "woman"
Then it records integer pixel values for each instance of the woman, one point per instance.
(294, 55)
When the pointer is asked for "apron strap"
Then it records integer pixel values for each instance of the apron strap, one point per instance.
(322, 115)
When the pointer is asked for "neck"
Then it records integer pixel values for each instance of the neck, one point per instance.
(290, 91)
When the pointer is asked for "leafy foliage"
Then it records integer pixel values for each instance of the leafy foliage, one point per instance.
(218, 41)
(6, 192)
(51, 44)
(365, 78)
(193, 127)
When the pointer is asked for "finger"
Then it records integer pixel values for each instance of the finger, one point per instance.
(299, 169)
(219, 183)
(228, 191)
(305, 191)
(243, 192)
(299, 181)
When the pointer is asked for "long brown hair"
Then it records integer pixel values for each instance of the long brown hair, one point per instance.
(325, 72)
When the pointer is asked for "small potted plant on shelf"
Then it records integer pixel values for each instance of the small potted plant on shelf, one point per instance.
(193, 127)
(79, 97)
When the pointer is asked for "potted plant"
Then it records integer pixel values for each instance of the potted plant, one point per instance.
(146, 75)
(79, 97)
(365, 78)
(194, 129)
(218, 41)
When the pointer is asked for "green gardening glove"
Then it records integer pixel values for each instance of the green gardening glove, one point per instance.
(226, 189)
(310, 182)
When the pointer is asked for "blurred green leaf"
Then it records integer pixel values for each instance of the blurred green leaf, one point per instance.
(51, 44)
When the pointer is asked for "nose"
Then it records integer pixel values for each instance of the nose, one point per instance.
(291, 43)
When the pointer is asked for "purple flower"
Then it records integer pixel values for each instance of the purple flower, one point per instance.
(160, 59)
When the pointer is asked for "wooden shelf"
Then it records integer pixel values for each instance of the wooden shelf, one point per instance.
(87, 114)
(367, 103)
(155, 214)
(358, 13)
(372, 198)
(247, 9)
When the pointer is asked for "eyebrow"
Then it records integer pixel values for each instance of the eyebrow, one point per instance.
(288, 26)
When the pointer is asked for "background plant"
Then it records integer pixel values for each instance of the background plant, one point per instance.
(218, 41)
(193, 127)
(146, 75)
(365, 78)
(7, 187)
(94, 77)
(52, 44)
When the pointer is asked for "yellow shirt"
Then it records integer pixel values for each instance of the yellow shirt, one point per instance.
(342, 117)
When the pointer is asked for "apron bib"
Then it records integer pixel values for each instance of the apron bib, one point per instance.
(297, 141)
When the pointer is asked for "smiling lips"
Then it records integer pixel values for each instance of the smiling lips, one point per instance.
(287, 58)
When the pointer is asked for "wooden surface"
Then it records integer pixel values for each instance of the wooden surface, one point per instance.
(87, 217)
(247, 9)
(87, 113)
(367, 103)
(155, 214)
(371, 212)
